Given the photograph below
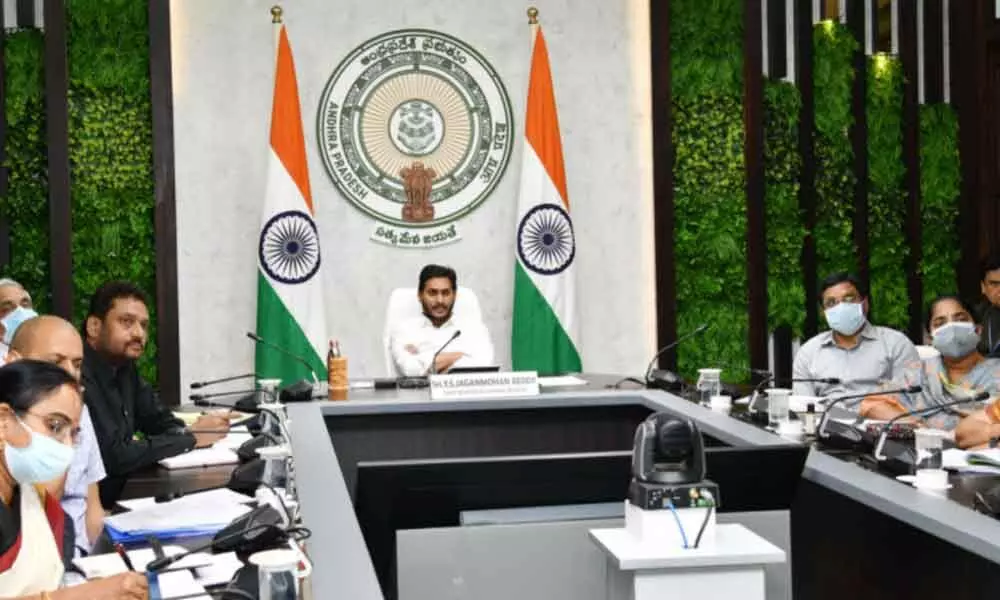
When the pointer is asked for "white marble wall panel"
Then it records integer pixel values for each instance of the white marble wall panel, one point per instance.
(222, 61)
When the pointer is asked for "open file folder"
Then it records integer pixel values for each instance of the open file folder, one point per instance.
(190, 516)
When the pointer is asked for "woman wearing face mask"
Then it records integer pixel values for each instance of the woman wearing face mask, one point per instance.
(961, 371)
(39, 416)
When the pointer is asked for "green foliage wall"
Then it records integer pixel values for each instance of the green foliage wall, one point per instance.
(940, 180)
(782, 169)
(886, 199)
(833, 77)
(111, 151)
(26, 204)
(709, 200)
(111, 163)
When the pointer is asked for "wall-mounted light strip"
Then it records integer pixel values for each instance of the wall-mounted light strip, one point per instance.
(946, 48)
(894, 20)
(920, 51)
(790, 41)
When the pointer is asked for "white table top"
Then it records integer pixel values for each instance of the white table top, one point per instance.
(734, 545)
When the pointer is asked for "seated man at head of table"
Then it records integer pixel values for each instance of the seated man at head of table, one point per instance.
(54, 340)
(859, 354)
(414, 341)
(960, 372)
(134, 430)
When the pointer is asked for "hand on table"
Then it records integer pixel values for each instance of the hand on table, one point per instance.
(126, 586)
(207, 423)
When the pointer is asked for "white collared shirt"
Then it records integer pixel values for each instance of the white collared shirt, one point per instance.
(421, 335)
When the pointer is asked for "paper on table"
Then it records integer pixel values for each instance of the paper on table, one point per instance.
(219, 496)
(106, 565)
(234, 439)
(182, 514)
(220, 570)
(180, 584)
(201, 457)
(561, 381)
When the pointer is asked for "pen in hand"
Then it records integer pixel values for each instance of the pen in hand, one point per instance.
(121, 552)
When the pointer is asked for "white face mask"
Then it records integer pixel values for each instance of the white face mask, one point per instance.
(43, 459)
(846, 318)
(956, 339)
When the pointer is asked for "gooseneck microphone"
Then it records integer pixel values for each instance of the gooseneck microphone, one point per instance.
(821, 430)
(256, 338)
(200, 384)
(884, 432)
(160, 564)
(432, 370)
(648, 377)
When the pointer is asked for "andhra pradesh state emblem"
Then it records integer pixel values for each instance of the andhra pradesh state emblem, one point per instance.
(414, 128)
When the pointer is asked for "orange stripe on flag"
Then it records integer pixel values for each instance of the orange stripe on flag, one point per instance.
(286, 120)
(541, 125)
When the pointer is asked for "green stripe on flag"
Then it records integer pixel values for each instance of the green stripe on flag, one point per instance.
(276, 325)
(539, 342)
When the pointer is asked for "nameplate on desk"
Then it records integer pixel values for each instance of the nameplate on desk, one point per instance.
(483, 385)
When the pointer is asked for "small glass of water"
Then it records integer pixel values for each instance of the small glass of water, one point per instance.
(709, 385)
(929, 444)
(277, 574)
(777, 406)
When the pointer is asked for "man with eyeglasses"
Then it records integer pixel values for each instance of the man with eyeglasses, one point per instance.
(51, 339)
(861, 355)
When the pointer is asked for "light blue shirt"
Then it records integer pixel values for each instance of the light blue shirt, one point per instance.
(87, 468)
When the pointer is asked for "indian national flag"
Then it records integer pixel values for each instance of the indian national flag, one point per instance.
(545, 335)
(290, 311)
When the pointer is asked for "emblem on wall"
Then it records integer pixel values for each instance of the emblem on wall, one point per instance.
(414, 128)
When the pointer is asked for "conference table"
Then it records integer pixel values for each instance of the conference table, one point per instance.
(850, 531)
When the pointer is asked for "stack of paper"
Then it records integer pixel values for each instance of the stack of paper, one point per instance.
(187, 516)
(972, 461)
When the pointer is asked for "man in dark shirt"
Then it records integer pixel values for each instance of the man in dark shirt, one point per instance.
(989, 311)
(133, 429)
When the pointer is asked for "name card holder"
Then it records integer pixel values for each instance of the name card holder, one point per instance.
(484, 385)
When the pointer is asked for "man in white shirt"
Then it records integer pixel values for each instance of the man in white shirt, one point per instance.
(52, 339)
(413, 342)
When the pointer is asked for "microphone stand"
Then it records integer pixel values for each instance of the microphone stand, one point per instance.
(256, 338)
(432, 368)
(884, 433)
(208, 382)
(821, 430)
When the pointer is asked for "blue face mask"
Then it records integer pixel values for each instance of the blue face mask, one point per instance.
(846, 318)
(13, 320)
(43, 459)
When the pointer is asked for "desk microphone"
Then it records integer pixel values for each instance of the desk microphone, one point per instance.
(662, 376)
(821, 430)
(431, 370)
(256, 338)
(200, 384)
(884, 433)
(247, 403)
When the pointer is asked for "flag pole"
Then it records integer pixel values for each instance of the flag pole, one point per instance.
(277, 23)
(533, 23)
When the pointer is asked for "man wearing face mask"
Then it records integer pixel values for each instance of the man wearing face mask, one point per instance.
(39, 419)
(960, 372)
(15, 308)
(133, 429)
(861, 355)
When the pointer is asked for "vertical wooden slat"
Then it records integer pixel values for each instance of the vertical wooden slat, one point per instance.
(911, 161)
(933, 51)
(57, 138)
(4, 175)
(807, 176)
(161, 89)
(663, 180)
(753, 122)
(26, 13)
(856, 17)
(967, 68)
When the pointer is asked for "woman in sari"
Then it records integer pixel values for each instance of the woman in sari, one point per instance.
(40, 408)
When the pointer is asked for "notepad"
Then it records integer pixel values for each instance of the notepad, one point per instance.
(561, 381)
(201, 457)
(181, 584)
(219, 496)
